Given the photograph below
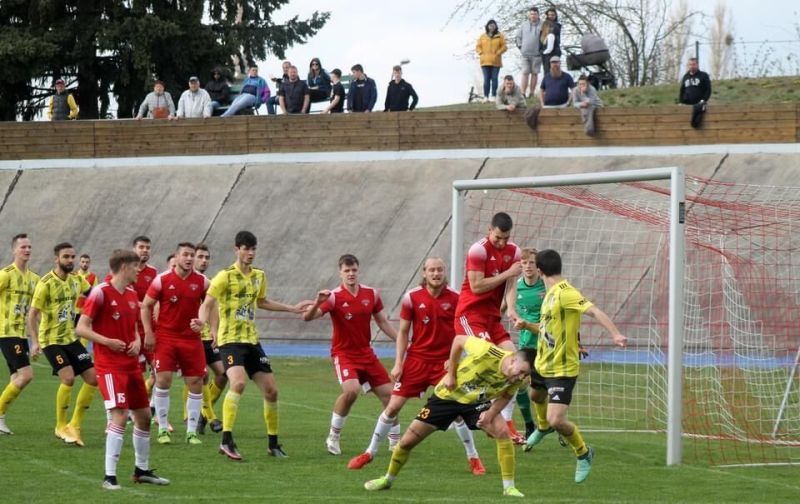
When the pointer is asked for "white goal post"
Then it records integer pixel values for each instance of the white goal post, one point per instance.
(676, 177)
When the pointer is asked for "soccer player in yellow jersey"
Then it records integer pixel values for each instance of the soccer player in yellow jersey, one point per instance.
(54, 299)
(237, 292)
(83, 270)
(486, 373)
(17, 284)
(558, 360)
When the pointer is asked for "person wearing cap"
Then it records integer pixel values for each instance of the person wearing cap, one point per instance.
(158, 104)
(194, 102)
(62, 105)
(219, 90)
(556, 86)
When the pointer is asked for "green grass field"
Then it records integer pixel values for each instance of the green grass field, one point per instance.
(36, 467)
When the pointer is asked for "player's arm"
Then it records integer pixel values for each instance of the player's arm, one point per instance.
(384, 325)
(32, 321)
(488, 416)
(147, 323)
(521, 323)
(400, 346)
(84, 330)
(605, 321)
(510, 299)
(213, 326)
(271, 305)
(204, 314)
(314, 312)
(479, 284)
(456, 349)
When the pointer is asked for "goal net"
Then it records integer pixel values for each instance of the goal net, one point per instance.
(741, 302)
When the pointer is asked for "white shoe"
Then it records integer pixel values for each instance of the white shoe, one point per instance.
(332, 444)
(3, 427)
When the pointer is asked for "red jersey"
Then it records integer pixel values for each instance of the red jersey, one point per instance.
(351, 317)
(484, 257)
(432, 322)
(114, 315)
(179, 300)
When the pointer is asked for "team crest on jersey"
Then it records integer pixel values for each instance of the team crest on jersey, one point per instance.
(193, 287)
(446, 306)
(115, 315)
(426, 319)
(148, 279)
(348, 316)
(365, 302)
(132, 305)
(506, 258)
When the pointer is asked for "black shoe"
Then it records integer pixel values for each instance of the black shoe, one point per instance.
(110, 483)
(201, 425)
(529, 428)
(148, 476)
(277, 452)
(216, 426)
(230, 451)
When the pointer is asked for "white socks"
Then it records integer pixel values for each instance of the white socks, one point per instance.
(382, 428)
(161, 400)
(193, 404)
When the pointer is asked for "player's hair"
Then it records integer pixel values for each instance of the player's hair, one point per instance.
(186, 245)
(534, 9)
(357, 68)
(528, 355)
(140, 238)
(245, 239)
(202, 246)
(61, 246)
(120, 257)
(509, 77)
(528, 253)
(502, 221)
(85, 256)
(692, 59)
(18, 237)
(583, 77)
(425, 263)
(348, 260)
(170, 257)
(549, 262)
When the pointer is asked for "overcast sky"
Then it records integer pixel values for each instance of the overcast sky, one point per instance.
(379, 34)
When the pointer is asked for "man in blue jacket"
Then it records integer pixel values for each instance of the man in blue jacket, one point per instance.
(363, 92)
(254, 93)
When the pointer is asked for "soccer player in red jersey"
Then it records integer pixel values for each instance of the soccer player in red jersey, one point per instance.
(109, 320)
(352, 306)
(179, 293)
(429, 308)
(493, 265)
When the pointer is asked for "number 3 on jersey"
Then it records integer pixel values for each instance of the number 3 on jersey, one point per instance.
(424, 413)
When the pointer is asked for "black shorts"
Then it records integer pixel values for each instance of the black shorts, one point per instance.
(72, 354)
(16, 352)
(559, 388)
(252, 357)
(441, 412)
(212, 352)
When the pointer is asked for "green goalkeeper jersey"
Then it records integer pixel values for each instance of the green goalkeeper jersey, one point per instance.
(529, 306)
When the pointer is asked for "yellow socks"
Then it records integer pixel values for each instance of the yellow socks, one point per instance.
(575, 440)
(185, 396)
(85, 397)
(10, 393)
(541, 415)
(230, 407)
(399, 459)
(215, 391)
(208, 407)
(271, 417)
(62, 405)
(505, 456)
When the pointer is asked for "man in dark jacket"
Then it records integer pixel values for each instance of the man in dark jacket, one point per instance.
(363, 92)
(399, 92)
(695, 90)
(293, 95)
(218, 89)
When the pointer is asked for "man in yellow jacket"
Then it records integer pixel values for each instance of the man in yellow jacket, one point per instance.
(62, 105)
(490, 48)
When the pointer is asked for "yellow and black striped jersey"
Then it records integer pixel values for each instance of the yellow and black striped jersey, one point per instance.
(16, 292)
(559, 326)
(237, 295)
(56, 299)
(479, 377)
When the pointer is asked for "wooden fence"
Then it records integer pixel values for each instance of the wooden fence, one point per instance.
(378, 131)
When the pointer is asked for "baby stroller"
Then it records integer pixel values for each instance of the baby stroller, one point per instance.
(593, 60)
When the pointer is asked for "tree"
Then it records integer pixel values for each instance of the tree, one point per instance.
(721, 41)
(635, 30)
(121, 46)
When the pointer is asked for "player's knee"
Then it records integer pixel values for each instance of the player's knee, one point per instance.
(237, 386)
(90, 379)
(271, 395)
(349, 396)
(22, 380)
(68, 380)
(557, 421)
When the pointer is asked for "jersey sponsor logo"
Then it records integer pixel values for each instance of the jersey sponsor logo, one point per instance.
(245, 313)
(148, 279)
(555, 390)
(132, 305)
(65, 314)
(506, 258)
(348, 316)
(115, 315)
(426, 319)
